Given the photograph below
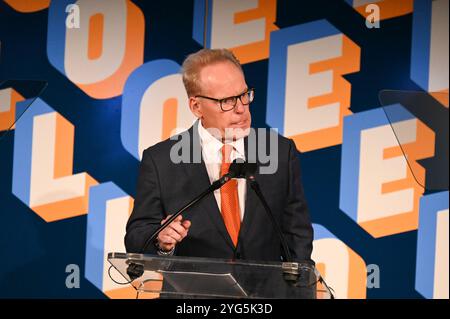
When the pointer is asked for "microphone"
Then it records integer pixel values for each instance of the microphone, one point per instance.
(246, 170)
(236, 170)
(249, 171)
(291, 270)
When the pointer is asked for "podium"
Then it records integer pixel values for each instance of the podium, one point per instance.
(193, 277)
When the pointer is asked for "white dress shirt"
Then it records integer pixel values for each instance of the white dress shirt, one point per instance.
(212, 156)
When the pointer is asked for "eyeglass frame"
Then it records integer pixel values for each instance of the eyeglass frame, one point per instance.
(220, 101)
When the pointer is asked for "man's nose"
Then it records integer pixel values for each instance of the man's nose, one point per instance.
(239, 108)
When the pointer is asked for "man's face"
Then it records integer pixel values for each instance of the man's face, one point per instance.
(221, 80)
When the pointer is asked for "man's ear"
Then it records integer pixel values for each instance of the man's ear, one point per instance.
(195, 107)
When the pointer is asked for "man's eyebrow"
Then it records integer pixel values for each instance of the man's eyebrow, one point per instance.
(246, 89)
(226, 97)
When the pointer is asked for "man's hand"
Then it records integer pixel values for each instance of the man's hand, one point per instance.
(174, 233)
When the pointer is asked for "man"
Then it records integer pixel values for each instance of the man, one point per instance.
(231, 223)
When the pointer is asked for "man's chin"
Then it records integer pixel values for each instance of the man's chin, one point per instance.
(236, 132)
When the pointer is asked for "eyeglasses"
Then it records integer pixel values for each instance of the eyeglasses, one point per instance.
(229, 103)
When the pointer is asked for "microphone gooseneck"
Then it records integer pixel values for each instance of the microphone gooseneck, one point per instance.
(291, 271)
(255, 186)
(235, 171)
(136, 270)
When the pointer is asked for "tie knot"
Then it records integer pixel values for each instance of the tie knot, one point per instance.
(226, 153)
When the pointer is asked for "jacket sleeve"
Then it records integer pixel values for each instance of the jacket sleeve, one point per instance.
(296, 223)
(147, 211)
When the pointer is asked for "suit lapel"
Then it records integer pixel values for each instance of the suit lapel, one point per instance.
(197, 173)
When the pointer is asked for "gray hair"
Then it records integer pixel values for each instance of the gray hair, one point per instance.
(195, 62)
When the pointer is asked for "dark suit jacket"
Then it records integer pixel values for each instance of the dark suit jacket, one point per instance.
(164, 187)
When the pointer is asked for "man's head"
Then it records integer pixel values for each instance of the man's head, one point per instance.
(210, 75)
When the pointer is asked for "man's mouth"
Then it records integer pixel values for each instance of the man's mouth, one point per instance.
(240, 123)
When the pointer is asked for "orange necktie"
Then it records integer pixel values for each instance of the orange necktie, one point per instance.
(229, 202)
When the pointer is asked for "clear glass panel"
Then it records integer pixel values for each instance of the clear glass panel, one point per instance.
(430, 135)
(217, 278)
(16, 96)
